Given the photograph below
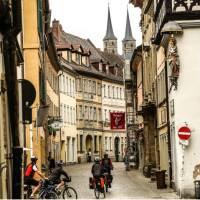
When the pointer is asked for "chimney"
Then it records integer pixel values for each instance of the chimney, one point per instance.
(56, 29)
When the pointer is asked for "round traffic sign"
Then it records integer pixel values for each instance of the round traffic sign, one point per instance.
(184, 133)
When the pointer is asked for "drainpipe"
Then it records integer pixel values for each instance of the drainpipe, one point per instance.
(168, 126)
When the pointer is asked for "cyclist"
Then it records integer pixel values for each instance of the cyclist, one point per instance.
(107, 166)
(30, 171)
(56, 174)
(97, 170)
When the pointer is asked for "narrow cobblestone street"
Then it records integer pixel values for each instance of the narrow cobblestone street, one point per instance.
(126, 185)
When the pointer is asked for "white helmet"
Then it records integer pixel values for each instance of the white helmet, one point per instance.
(97, 159)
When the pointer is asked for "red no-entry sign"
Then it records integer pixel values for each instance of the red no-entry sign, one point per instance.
(184, 133)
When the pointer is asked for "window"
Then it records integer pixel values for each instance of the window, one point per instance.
(67, 85)
(81, 143)
(80, 112)
(70, 87)
(95, 143)
(108, 91)
(63, 83)
(64, 117)
(91, 117)
(94, 87)
(117, 92)
(99, 115)
(79, 85)
(74, 115)
(67, 114)
(106, 143)
(105, 115)
(86, 113)
(99, 89)
(120, 94)
(104, 90)
(85, 85)
(73, 88)
(95, 114)
(113, 90)
(172, 107)
(110, 143)
(71, 115)
(163, 116)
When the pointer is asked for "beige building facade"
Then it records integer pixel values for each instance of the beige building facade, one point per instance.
(68, 113)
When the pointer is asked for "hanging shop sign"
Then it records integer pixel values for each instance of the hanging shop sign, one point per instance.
(117, 120)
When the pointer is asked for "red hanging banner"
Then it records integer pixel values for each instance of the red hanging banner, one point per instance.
(117, 120)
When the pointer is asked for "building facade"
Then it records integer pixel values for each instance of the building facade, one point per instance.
(169, 29)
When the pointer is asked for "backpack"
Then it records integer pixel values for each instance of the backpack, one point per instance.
(97, 170)
(29, 172)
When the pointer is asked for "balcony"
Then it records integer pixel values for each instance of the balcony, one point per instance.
(170, 10)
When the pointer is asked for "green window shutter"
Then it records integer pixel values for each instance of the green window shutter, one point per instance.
(42, 87)
(39, 3)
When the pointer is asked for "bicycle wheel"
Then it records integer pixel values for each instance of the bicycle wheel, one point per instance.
(70, 193)
(50, 195)
(96, 193)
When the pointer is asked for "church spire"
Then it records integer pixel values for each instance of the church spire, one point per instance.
(109, 32)
(129, 42)
(128, 32)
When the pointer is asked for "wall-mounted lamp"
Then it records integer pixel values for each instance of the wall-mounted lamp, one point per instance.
(171, 27)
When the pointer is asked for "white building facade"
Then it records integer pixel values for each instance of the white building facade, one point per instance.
(113, 101)
(68, 115)
(184, 109)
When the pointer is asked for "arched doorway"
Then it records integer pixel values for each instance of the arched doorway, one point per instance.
(88, 145)
(117, 149)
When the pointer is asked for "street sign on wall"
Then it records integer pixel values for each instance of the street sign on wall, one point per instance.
(117, 120)
(184, 133)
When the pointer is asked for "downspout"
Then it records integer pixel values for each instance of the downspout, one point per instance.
(168, 126)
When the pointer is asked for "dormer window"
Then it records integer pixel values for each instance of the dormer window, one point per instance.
(100, 67)
(107, 69)
(78, 58)
(87, 61)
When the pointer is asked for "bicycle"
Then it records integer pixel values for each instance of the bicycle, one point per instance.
(67, 192)
(47, 191)
(99, 187)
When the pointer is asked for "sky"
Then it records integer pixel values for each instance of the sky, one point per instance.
(88, 18)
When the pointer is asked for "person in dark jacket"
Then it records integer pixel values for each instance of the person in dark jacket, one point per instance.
(107, 166)
(107, 163)
(97, 169)
(55, 176)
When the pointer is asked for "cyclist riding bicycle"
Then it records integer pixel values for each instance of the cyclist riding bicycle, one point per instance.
(30, 171)
(55, 176)
(107, 166)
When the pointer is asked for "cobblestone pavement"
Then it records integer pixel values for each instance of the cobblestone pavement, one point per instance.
(126, 185)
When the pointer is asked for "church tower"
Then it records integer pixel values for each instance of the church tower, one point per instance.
(128, 43)
(110, 41)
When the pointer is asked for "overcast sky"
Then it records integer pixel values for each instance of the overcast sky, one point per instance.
(88, 18)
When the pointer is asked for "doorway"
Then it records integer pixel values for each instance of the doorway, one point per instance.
(117, 149)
